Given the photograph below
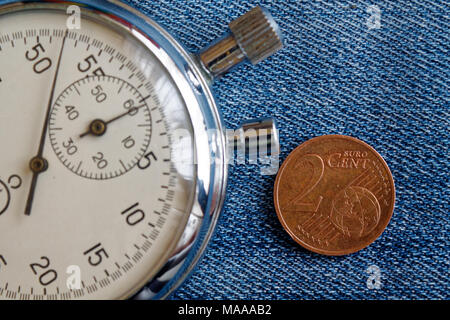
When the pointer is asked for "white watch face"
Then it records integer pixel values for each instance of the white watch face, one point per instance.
(112, 203)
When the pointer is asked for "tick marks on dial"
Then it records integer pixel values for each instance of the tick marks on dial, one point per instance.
(123, 165)
(17, 35)
(121, 87)
(145, 99)
(121, 57)
(58, 292)
(120, 103)
(76, 89)
(79, 167)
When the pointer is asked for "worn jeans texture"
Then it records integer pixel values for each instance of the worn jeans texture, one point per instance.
(342, 71)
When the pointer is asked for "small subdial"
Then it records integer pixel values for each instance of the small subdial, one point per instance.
(100, 127)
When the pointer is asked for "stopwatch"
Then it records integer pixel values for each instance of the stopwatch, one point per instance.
(114, 155)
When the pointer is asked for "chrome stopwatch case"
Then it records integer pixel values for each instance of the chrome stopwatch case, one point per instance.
(114, 156)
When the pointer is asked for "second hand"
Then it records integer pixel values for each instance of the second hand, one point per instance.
(38, 164)
(98, 127)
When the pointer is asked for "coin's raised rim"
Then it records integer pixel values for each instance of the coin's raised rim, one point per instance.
(286, 227)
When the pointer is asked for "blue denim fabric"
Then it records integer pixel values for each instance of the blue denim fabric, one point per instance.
(388, 87)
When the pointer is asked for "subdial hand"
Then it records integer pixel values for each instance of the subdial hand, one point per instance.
(98, 127)
(39, 164)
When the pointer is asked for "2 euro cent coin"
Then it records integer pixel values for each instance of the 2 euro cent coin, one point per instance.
(334, 195)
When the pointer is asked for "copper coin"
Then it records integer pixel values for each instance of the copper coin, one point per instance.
(334, 195)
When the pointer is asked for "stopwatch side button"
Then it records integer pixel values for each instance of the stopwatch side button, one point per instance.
(256, 139)
(254, 36)
(257, 34)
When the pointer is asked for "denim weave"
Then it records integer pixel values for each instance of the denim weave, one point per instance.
(337, 74)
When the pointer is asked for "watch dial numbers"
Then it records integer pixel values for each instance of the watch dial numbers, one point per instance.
(96, 254)
(98, 72)
(109, 132)
(5, 197)
(100, 161)
(72, 113)
(130, 106)
(133, 215)
(99, 94)
(128, 142)
(34, 55)
(107, 223)
(90, 63)
(7, 191)
(15, 181)
(70, 147)
(42, 65)
(42, 270)
(147, 160)
(35, 52)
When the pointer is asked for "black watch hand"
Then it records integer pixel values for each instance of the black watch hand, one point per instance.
(98, 127)
(38, 164)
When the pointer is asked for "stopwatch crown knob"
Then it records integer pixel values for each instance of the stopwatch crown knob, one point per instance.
(254, 36)
(257, 34)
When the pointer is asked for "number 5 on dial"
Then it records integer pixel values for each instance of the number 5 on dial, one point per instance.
(95, 255)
